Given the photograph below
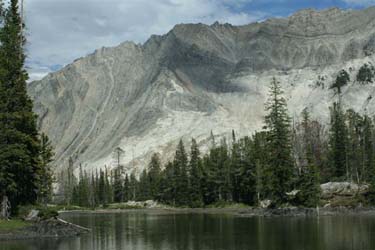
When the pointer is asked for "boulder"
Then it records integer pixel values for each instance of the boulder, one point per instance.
(265, 203)
(334, 189)
(33, 215)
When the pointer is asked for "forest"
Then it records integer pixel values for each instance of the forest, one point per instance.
(285, 156)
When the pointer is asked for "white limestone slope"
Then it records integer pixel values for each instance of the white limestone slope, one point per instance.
(197, 79)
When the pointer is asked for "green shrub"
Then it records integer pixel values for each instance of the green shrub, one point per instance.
(366, 74)
(47, 213)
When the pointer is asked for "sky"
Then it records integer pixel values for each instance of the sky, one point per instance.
(59, 31)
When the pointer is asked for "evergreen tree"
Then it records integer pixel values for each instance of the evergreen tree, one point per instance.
(46, 157)
(19, 142)
(127, 189)
(102, 195)
(366, 74)
(368, 149)
(338, 142)
(180, 164)
(118, 189)
(260, 156)
(354, 152)
(280, 163)
(308, 179)
(133, 187)
(248, 188)
(195, 175)
(143, 187)
(168, 185)
(108, 187)
(154, 176)
(236, 169)
(309, 195)
(342, 79)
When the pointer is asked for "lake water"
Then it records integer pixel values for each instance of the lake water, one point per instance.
(141, 230)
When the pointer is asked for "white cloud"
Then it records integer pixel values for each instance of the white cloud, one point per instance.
(60, 31)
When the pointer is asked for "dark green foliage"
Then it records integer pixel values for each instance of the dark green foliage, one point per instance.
(180, 165)
(24, 163)
(118, 188)
(154, 176)
(366, 74)
(46, 157)
(342, 79)
(309, 186)
(195, 170)
(127, 194)
(46, 213)
(338, 142)
(279, 169)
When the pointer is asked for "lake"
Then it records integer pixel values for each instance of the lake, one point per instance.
(146, 230)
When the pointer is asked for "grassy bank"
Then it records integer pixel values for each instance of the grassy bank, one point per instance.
(12, 225)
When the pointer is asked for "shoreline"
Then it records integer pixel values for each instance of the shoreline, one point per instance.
(51, 228)
(242, 212)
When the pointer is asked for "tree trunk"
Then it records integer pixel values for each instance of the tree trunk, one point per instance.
(5, 207)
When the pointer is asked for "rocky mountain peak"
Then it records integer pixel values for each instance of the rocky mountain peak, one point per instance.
(196, 79)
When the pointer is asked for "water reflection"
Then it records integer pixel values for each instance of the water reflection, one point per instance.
(142, 231)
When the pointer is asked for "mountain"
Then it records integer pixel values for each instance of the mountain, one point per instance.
(198, 78)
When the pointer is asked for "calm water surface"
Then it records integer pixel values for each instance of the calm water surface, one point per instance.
(140, 230)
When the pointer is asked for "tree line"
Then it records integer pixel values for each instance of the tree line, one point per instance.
(285, 156)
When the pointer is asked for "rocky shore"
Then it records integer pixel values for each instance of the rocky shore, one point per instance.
(50, 228)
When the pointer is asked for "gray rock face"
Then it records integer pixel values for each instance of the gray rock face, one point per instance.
(198, 78)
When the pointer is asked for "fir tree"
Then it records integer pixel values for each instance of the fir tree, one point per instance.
(102, 195)
(127, 189)
(180, 164)
(195, 175)
(20, 171)
(280, 162)
(338, 142)
(154, 176)
(366, 74)
(249, 172)
(368, 149)
(46, 157)
(144, 187)
(309, 195)
(118, 189)
(342, 79)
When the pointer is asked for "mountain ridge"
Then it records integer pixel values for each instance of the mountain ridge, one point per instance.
(215, 76)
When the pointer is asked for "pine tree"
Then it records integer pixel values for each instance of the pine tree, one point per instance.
(248, 189)
(46, 157)
(143, 187)
(133, 187)
(338, 142)
(309, 195)
(102, 194)
(118, 188)
(308, 180)
(236, 169)
(168, 185)
(368, 149)
(19, 141)
(180, 164)
(354, 147)
(342, 79)
(280, 162)
(127, 189)
(154, 176)
(366, 74)
(195, 176)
